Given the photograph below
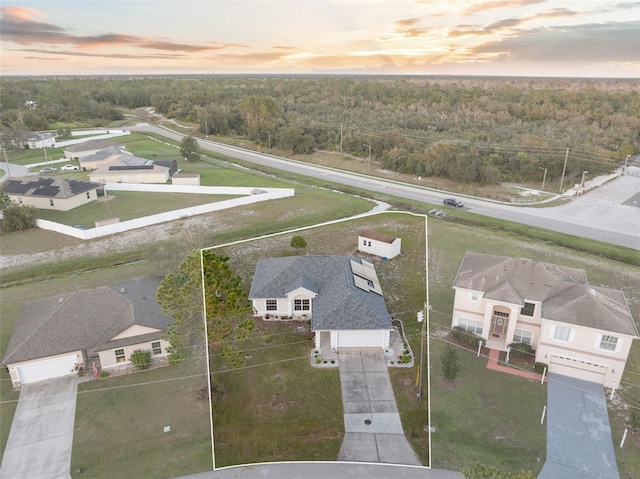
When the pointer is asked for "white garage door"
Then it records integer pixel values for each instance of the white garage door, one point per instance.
(360, 339)
(576, 368)
(47, 369)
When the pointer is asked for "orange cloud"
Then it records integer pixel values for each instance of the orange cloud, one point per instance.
(482, 7)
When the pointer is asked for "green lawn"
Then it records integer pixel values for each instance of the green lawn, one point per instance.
(272, 410)
(127, 205)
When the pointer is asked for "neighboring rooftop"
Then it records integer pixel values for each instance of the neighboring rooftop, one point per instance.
(47, 187)
(563, 291)
(92, 145)
(85, 319)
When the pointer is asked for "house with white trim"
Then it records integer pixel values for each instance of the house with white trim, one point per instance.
(340, 296)
(61, 335)
(577, 329)
(50, 192)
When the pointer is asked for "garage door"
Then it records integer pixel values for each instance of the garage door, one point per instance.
(576, 368)
(47, 369)
(360, 339)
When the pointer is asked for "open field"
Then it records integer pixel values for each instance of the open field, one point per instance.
(479, 418)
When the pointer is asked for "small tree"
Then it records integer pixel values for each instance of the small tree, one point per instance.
(189, 149)
(4, 200)
(298, 242)
(450, 365)
(18, 217)
(141, 359)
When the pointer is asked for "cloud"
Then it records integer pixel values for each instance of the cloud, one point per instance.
(592, 43)
(18, 25)
(491, 5)
(74, 53)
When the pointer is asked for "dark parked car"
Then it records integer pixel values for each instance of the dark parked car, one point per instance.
(453, 202)
(48, 169)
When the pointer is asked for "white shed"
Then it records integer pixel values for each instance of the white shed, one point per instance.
(379, 244)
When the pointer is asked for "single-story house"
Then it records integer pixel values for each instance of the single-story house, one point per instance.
(56, 336)
(89, 147)
(341, 296)
(35, 140)
(379, 244)
(51, 193)
(114, 165)
(577, 329)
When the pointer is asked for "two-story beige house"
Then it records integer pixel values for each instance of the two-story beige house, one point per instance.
(577, 329)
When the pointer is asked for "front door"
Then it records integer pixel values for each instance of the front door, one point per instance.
(499, 322)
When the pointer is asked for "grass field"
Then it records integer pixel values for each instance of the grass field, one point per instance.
(274, 410)
(127, 205)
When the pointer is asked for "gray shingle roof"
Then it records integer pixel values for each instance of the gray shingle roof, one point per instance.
(564, 292)
(340, 305)
(85, 319)
(91, 145)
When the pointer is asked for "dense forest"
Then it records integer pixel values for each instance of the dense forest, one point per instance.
(468, 129)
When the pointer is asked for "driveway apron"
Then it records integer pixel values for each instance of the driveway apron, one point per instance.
(373, 431)
(579, 444)
(41, 437)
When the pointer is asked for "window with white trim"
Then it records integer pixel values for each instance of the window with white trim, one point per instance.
(272, 305)
(119, 355)
(562, 333)
(301, 305)
(608, 342)
(156, 348)
(523, 336)
(471, 325)
(474, 296)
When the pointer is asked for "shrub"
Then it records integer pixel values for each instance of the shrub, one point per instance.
(298, 242)
(449, 362)
(405, 359)
(464, 336)
(19, 217)
(141, 359)
(540, 367)
(520, 350)
(104, 374)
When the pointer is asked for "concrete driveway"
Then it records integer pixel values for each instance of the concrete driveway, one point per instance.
(41, 437)
(579, 444)
(373, 431)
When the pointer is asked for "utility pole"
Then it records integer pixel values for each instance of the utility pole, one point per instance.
(564, 168)
(6, 160)
(341, 139)
(364, 144)
(624, 169)
(269, 132)
(544, 177)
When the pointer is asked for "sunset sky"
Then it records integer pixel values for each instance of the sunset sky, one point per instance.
(588, 38)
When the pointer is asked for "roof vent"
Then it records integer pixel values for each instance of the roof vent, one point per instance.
(122, 290)
(61, 300)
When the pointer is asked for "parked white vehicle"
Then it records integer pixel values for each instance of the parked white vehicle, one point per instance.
(70, 168)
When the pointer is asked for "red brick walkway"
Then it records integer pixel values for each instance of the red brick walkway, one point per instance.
(494, 355)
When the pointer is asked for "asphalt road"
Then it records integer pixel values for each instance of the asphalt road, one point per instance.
(615, 222)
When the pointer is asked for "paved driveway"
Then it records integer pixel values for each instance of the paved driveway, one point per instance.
(373, 431)
(579, 444)
(41, 437)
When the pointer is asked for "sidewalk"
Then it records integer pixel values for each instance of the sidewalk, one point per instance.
(492, 364)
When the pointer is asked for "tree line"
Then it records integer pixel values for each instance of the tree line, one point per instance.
(468, 129)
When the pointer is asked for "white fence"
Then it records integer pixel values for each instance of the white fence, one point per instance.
(254, 195)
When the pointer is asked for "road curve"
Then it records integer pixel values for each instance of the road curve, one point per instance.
(611, 230)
